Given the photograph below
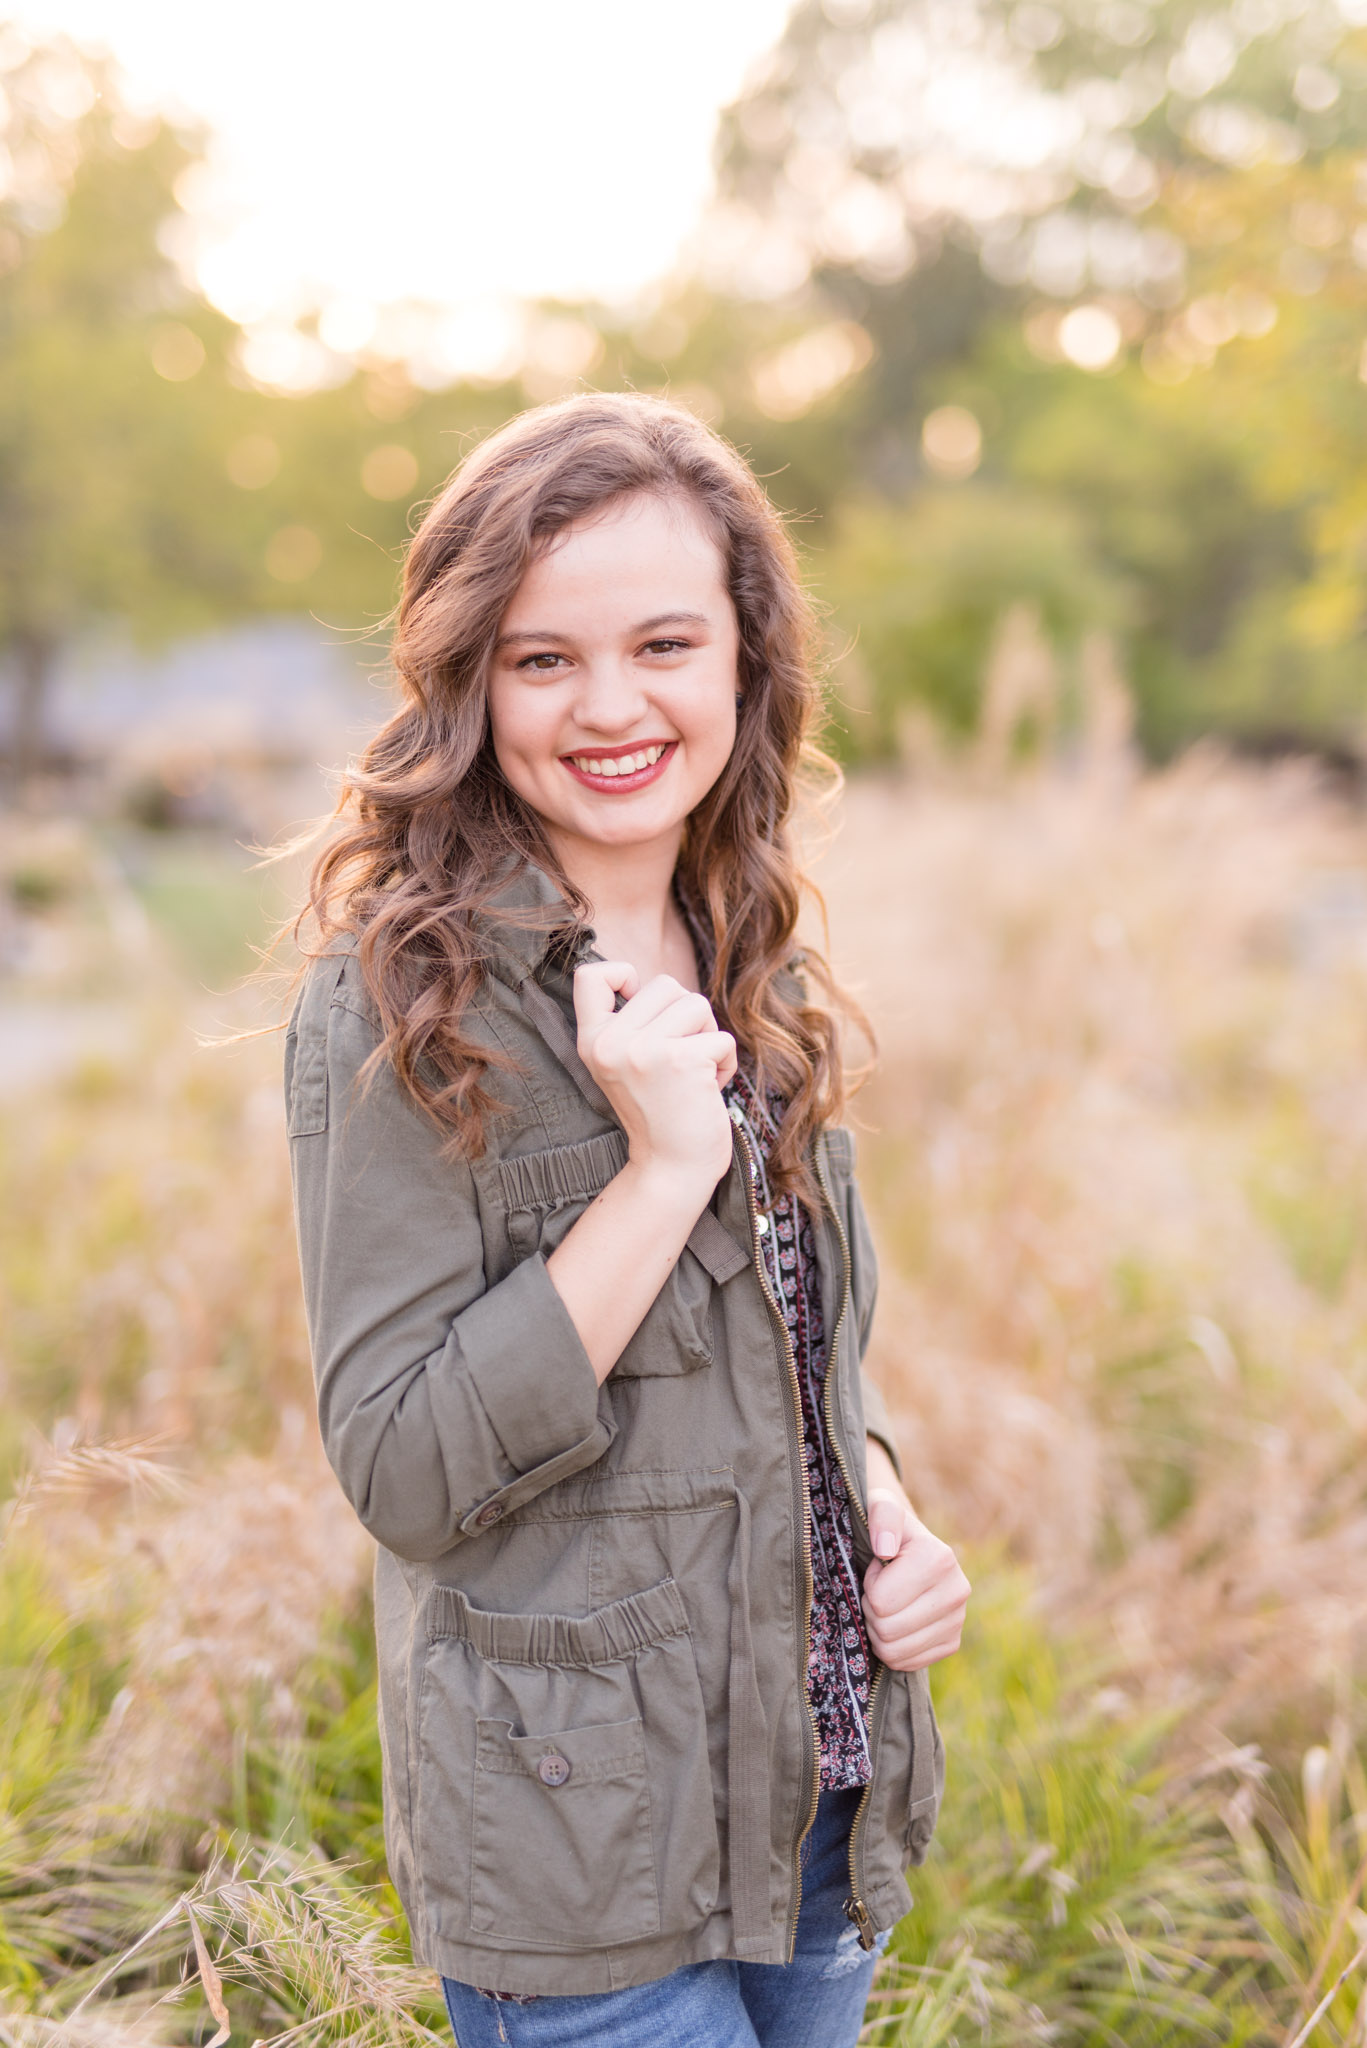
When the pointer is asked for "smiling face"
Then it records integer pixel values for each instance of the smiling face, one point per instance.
(612, 693)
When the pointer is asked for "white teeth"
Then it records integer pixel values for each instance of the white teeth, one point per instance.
(620, 764)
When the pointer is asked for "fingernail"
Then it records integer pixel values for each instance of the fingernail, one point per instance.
(887, 1544)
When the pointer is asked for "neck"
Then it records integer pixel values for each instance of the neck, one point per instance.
(634, 913)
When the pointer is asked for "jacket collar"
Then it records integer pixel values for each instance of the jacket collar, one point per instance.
(525, 924)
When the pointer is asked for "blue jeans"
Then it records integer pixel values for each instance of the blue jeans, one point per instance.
(816, 2001)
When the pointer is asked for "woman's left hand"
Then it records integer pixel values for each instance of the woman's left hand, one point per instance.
(915, 1591)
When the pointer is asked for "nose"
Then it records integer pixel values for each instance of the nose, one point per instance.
(609, 700)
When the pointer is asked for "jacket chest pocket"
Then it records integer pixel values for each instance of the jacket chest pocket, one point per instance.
(545, 1194)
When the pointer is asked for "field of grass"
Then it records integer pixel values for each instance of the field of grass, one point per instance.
(1115, 1155)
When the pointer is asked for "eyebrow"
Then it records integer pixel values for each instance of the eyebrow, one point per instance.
(642, 626)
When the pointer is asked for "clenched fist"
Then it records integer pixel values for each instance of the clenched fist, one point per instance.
(662, 1063)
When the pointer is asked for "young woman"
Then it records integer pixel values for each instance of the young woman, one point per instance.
(588, 1280)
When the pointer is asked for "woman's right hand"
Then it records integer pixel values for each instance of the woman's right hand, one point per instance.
(662, 1063)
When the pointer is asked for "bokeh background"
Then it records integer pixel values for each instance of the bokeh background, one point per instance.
(1047, 323)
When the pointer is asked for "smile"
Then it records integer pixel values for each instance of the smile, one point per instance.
(621, 769)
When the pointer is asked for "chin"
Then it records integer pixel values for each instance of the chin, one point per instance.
(626, 831)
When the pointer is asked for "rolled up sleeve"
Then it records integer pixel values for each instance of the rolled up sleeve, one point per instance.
(443, 1402)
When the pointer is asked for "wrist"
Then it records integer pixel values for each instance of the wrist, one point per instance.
(667, 1188)
(881, 1470)
(882, 1473)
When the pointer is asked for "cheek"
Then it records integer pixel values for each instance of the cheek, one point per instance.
(515, 727)
(708, 720)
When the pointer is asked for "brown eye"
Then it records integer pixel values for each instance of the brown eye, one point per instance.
(541, 663)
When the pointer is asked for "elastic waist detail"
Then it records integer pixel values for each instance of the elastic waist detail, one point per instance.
(599, 1638)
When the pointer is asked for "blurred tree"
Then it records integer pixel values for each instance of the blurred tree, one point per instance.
(823, 389)
(921, 595)
(1292, 663)
(113, 380)
(1011, 306)
(1016, 203)
(330, 483)
(1051, 137)
(156, 469)
(1166, 493)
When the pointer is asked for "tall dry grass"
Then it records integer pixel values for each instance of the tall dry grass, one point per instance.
(1116, 1154)
(1114, 1157)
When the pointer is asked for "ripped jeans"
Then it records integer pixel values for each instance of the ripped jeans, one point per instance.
(816, 2001)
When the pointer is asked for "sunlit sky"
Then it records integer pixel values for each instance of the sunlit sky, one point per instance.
(443, 150)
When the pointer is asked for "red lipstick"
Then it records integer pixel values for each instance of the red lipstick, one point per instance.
(620, 785)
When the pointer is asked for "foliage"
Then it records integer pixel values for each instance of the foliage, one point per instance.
(927, 586)
(954, 182)
(1199, 203)
(105, 362)
(1116, 1154)
(1065, 143)
(1080, 1890)
(143, 476)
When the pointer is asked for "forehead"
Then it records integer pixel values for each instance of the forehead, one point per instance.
(635, 548)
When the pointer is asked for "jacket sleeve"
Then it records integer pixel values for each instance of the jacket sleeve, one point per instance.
(864, 1285)
(443, 1402)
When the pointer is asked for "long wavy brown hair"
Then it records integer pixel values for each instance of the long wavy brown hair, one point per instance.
(428, 830)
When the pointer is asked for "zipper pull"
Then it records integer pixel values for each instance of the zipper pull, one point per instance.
(857, 1912)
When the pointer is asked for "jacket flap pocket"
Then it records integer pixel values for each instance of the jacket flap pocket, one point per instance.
(562, 1849)
(565, 1774)
(582, 1756)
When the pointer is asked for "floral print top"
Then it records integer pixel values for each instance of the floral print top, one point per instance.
(839, 1667)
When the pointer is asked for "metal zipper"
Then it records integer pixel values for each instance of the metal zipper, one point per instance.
(781, 1326)
(855, 1909)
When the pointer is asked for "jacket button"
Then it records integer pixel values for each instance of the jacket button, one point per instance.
(492, 1511)
(553, 1770)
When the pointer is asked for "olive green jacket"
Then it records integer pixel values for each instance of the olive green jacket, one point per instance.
(591, 1603)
